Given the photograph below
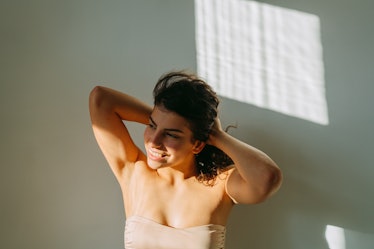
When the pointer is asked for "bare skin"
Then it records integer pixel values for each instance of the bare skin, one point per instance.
(161, 185)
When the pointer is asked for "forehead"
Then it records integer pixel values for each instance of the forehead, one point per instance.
(169, 119)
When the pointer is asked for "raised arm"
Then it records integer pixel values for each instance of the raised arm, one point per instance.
(108, 108)
(255, 176)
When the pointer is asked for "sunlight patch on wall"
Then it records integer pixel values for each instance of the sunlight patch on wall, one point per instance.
(263, 55)
(335, 237)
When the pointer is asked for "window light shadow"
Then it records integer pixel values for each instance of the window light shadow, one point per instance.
(335, 237)
(263, 55)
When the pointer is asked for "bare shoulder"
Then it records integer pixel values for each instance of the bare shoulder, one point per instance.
(216, 188)
(223, 178)
(224, 175)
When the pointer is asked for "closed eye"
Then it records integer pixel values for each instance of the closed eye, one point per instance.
(152, 126)
(151, 123)
(172, 135)
(167, 132)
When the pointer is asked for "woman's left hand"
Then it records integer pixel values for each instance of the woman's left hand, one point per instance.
(215, 132)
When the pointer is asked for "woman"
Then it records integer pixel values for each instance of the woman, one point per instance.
(180, 192)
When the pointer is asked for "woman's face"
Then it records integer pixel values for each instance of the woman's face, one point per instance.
(168, 140)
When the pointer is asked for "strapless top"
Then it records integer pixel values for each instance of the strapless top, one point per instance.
(143, 233)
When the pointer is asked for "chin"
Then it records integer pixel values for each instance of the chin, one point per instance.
(154, 165)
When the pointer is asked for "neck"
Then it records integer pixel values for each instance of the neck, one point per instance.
(178, 174)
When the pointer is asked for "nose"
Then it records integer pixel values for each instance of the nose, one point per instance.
(155, 139)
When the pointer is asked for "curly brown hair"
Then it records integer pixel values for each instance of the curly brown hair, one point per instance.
(192, 98)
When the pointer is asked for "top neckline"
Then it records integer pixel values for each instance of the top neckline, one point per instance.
(147, 220)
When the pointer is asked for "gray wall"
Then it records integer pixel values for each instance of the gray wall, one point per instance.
(56, 189)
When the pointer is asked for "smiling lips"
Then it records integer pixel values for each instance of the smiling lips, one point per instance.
(154, 155)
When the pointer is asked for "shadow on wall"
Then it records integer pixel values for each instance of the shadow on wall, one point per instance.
(303, 221)
(313, 195)
(289, 220)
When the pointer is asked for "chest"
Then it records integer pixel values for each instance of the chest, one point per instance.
(179, 205)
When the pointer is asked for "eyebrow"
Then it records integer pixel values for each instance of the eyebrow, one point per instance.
(169, 129)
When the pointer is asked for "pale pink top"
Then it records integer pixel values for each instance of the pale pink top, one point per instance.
(143, 233)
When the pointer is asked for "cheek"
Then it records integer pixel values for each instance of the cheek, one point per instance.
(173, 145)
(178, 147)
(147, 133)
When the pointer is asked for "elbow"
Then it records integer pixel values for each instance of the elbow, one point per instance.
(277, 179)
(99, 103)
(98, 99)
(96, 96)
(273, 181)
(268, 184)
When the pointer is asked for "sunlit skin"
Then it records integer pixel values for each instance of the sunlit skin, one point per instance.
(168, 142)
(161, 183)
